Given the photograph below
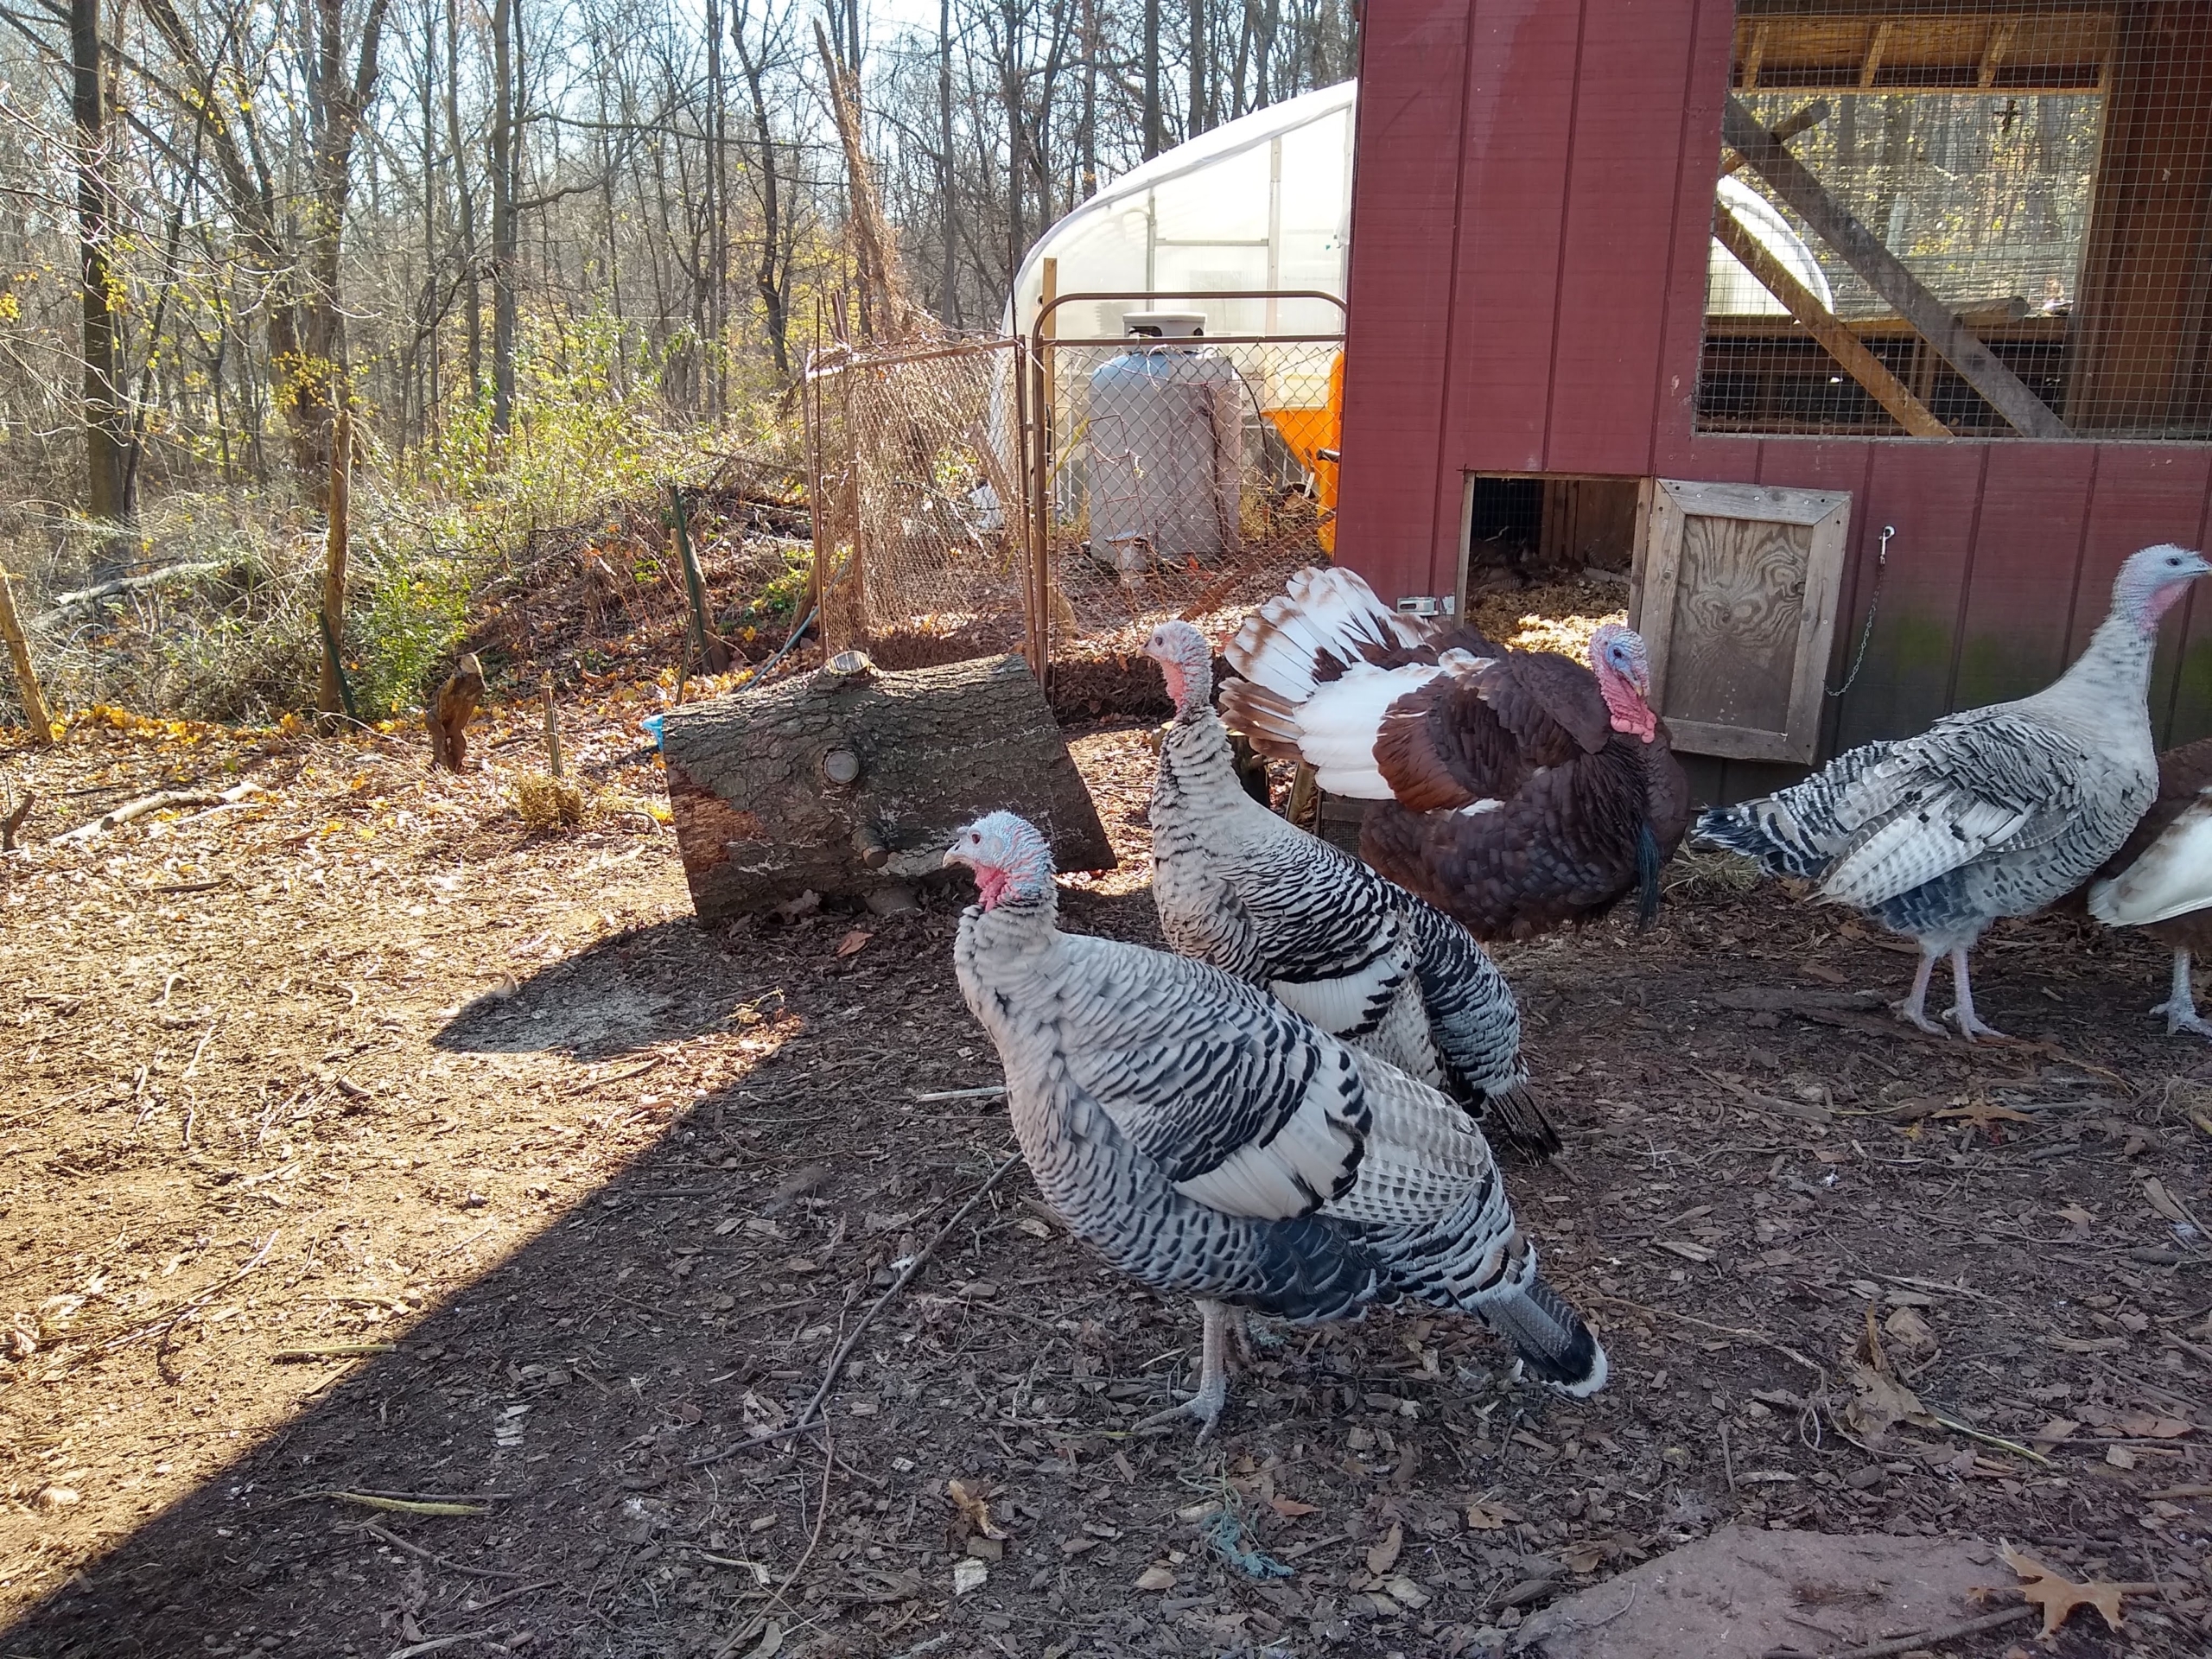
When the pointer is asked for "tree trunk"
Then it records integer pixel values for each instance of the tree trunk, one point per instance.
(506, 104)
(1195, 120)
(947, 302)
(107, 437)
(1152, 135)
(762, 816)
(471, 293)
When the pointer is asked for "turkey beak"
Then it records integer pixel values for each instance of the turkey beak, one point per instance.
(1639, 676)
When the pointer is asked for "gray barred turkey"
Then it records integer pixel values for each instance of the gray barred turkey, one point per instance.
(1990, 812)
(1207, 1141)
(1516, 791)
(1359, 955)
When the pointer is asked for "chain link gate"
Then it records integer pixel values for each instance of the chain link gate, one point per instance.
(998, 495)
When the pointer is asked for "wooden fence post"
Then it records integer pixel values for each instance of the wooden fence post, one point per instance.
(19, 649)
(332, 691)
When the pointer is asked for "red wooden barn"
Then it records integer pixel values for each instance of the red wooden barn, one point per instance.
(1533, 249)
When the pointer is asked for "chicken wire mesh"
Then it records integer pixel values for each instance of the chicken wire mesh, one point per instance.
(2039, 170)
(919, 546)
(1180, 475)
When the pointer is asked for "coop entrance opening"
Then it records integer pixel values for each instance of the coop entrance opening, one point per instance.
(1524, 528)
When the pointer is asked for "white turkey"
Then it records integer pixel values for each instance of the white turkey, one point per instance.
(1206, 1140)
(1990, 812)
(2160, 879)
(1516, 791)
(1362, 958)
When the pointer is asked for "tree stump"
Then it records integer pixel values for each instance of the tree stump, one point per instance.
(853, 781)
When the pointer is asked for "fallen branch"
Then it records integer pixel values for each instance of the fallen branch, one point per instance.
(154, 803)
(799, 1425)
(64, 603)
(1923, 1639)
(443, 1563)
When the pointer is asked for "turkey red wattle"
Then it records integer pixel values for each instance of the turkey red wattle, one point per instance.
(1630, 715)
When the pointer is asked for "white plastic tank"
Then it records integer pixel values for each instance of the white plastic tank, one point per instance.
(1165, 434)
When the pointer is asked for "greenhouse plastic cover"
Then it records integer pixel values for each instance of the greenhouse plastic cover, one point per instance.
(1265, 202)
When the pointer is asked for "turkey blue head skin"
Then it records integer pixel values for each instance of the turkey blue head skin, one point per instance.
(1185, 662)
(1623, 672)
(1008, 857)
(2152, 579)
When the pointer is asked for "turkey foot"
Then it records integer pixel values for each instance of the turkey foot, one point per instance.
(2180, 1007)
(1970, 1025)
(1207, 1405)
(1914, 1008)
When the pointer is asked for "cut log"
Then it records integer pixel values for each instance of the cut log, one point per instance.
(854, 781)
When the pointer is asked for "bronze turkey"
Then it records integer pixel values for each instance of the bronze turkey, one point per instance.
(1515, 790)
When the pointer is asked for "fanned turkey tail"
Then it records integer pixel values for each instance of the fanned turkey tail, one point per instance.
(1322, 663)
(1554, 1344)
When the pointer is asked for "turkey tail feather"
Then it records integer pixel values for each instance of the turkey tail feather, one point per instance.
(1648, 863)
(1263, 715)
(1512, 1118)
(1550, 1337)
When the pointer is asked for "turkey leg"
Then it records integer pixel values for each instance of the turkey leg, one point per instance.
(1914, 1008)
(2180, 1006)
(1213, 1372)
(1970, 1026)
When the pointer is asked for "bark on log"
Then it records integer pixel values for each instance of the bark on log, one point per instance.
(846, 783)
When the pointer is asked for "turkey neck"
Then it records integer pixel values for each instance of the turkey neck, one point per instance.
(2107, 687)
(1195, 773)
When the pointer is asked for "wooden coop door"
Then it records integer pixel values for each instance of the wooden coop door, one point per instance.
(1735, 598)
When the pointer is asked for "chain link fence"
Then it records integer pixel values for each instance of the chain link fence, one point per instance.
(919, 543)
(1058, 496)
(1180, 475)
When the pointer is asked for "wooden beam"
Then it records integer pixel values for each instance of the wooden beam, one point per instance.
(1865, 253)
(1848, 350)
(1754, 55)
(2000, 42)
(1804, 121)
(1875, 47)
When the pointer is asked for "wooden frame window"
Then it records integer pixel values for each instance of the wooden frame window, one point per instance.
(2009, 203)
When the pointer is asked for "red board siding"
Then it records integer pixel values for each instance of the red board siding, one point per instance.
(1617, 235)
(1412, 59)
(1532, 206)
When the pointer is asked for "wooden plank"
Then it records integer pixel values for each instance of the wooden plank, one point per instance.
(1931, 492)
(1817, 609)
(1614, 242)
(2000, 40)
(1739, 605)
(1521, 91)
(1875, 44)
(1865, 253)
(1833, 334)
(1409, 144)
(2144, 494)
(2141, 321)
(1753, 55)
(2026, 547)
(35, 717)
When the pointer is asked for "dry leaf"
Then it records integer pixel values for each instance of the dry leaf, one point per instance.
(969, 1573)
(2053, 1431)
(2059, 1597)
(1981, 1115)
(1382, 1557)
(2078, 1218)
(1583, 1558)
(1489, 1517)
(771, 1643)
(2163, 1202)
(853, 941)
(1879, 1401)
(1155, 1578)
(1908, 1330)
(2144, 1426)
(2120, 1456)
(1822, 972)
(973, 1510)
(1290, 1509)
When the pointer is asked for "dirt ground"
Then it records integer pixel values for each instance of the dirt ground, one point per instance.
(359, 1147)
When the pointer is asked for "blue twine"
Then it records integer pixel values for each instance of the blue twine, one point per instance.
(1226, 1534)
